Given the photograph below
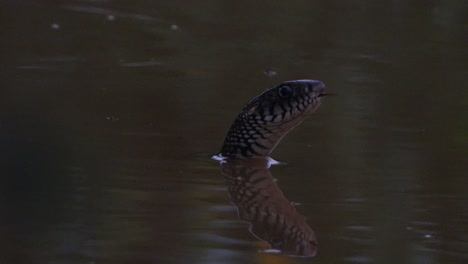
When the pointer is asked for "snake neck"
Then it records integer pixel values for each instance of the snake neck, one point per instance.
(265, 120)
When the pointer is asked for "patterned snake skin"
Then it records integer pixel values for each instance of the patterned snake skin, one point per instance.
(268, 117)
(255, 133)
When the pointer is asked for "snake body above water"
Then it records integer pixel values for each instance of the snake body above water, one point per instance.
(268, 117)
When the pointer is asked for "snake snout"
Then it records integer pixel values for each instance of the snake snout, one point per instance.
(314, 88)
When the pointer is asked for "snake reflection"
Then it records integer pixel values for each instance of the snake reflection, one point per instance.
(256, 131)
(260, 201)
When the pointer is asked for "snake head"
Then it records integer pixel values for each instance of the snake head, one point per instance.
(269, 116)
(286, 101)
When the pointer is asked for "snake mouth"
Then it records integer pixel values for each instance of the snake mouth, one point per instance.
(326, 94)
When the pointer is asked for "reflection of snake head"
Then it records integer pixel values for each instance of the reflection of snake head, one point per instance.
(268, 117)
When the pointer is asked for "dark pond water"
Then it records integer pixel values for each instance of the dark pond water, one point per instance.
(110, 112)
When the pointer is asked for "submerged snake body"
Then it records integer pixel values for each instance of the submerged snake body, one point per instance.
(268, 117)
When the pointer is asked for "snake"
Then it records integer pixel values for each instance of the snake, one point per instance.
(255, 133)
(268, 117)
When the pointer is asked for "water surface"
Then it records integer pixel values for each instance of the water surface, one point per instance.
(110, 112)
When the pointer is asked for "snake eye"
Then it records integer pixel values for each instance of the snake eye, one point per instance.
(285, 91)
